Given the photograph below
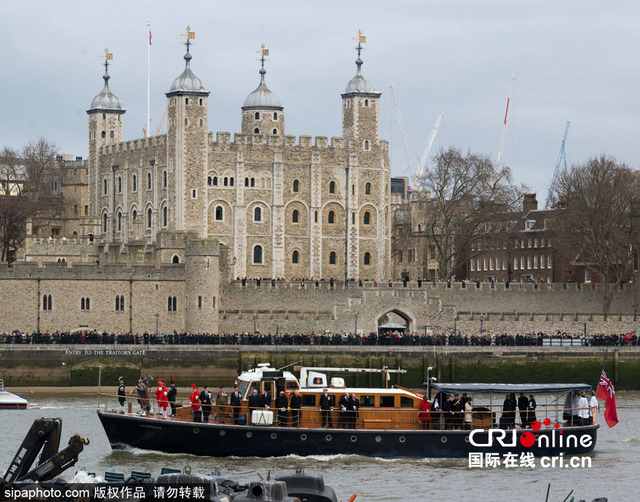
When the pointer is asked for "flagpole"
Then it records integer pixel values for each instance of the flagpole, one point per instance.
(605, 358)
(148, 77)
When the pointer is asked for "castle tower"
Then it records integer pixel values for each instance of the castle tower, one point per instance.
(202, 278)
(361, 107)
(105, 128)
(187, 152)
(262, 112)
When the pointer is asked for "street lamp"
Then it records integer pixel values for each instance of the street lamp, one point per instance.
(455, 325)
(255, 319)
(355, 318)
(481, 321)
(157, 317)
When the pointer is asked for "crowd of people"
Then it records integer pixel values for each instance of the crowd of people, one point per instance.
(325, 338)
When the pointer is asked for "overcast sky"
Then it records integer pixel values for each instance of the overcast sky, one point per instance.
(575, 60)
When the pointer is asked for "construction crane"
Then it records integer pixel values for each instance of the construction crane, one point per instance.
(405, 143)
(504, 124)
(562, 159)
(164, 115)
(415, 163)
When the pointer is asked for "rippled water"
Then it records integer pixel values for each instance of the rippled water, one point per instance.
(613, 473)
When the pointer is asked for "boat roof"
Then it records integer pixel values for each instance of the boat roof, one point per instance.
(506, 388)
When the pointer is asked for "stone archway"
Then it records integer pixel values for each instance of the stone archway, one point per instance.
(399, 317)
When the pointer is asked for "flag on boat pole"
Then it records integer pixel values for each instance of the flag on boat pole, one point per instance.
(608, 394)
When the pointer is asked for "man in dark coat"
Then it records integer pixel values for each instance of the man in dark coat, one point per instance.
(343, 421)
(325, 409)
(265, 399)
(121, 394)
(171, 396)
(354, 406)
(282, 405)
(236, 403)
(254, 403)
(205, 402)
(523, 405)
(295, 403)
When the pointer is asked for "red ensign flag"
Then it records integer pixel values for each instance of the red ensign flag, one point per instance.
(608, 393)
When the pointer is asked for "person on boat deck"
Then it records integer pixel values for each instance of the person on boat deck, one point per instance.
(205, 403)
(531, 407)
(221, 405)
(354, 406)
(236, 403)
(593, 406)
(523, 405)
(121, 394)
(254, 402)
(171, 397)
(194, 398)
(282, 404)
(325, 407)
(295, 404)
(423, 414)
(265, 399)
(468, 414)
(456, 408)
(508, 419)
(436, 413)
(575, 413)
(164, 401)
(446, 411)
(158, 394)
(583, 412)
(143, 397)
(343, 421)
(568, 404)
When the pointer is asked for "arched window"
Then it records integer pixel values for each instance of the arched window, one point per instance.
(332, 187)
(134, 184)
(90, 237)
(165, 216)
(367, 218)
(119, 184)
(149, 218)
(170, 304)
(274, 132)
(103, 134)
(231, 181)
(295, 257)
(256, 131)
(226, 181)
(353, 218)
(134, 214)
(111, 134)
(315, 216)
(296, 186)
(332, 217)
(366, 102)
(246, 182)
(215, 181)
(366, 144)
(200, 101)
(257, 255)
(186, 101)
(256, 115)
(332, 258)
(367, 258)
(543, 261)
(275, 115)
(295, 216)
(148, 181)
(257, 214)
(117, 303)
(367, 189)
(201, 122)
(253, 182)
(219, 213)
(175, 259)
(119, 221)
(105, 186)
(81, 303)
(209, 181)
(105, 222)
(164, 179)
(186, 121)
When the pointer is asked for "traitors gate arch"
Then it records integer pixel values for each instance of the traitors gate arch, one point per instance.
(396, 315)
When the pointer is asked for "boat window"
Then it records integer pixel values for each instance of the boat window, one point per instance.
(309, 400)
(367, 401)
(243, 387)
(406, 402)
(268, 386)
(256, 386)
(292, 384)
(385, 401)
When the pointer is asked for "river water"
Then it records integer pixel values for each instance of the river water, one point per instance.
(613, 472)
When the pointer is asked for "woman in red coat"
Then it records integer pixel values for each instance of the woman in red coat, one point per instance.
(164, 401)
(195, 404)
(423, 414)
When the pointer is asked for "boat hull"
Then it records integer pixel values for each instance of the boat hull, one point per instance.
(217, 440)
(9, 401)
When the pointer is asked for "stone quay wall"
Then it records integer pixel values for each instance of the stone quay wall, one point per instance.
(51, 365)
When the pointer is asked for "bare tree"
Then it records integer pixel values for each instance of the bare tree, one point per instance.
(467, 192)
(599, 220)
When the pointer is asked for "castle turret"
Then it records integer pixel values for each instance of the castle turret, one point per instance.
(361, 107)
(105, 128)
(201, 280)
(262, 112)
(187, 133)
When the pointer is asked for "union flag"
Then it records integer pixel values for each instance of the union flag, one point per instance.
(608, 394)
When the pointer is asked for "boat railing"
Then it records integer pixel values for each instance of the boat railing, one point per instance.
(480, 417)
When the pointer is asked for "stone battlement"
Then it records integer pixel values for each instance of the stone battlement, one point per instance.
(302, 141)
(135, 144)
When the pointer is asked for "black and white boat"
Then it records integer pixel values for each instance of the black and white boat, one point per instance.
(9, 401)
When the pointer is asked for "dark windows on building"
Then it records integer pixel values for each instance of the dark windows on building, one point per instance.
(257, 255)
(172, 304)
(46, 302)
